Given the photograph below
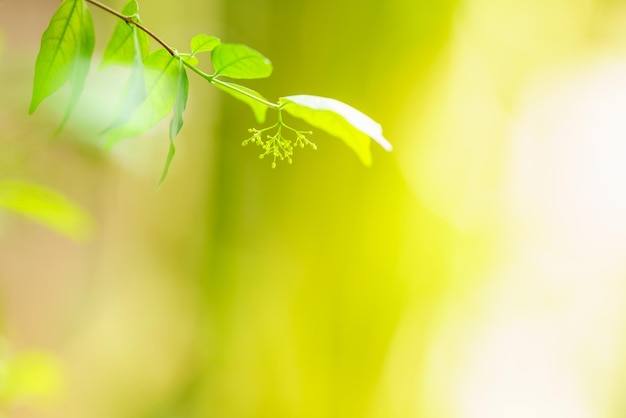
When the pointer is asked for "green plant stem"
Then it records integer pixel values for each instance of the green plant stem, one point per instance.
(280, 116)
(213, 80)
(274, 106)
(173, 52)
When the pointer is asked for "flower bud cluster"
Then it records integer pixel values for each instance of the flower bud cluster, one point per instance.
(276, 145)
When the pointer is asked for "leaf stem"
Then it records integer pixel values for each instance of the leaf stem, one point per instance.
(271, 105)
(198, 71)
(130, 21)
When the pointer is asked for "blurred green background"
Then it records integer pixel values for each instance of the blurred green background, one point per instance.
(476, 271)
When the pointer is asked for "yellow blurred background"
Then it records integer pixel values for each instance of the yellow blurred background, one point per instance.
(477, 271)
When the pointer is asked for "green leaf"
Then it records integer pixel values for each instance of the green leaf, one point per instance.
(235, 90)
(239, 61)
(126, 40)
(162, 79)
(135, 90)
(82, 63)
(131, 9)
(339, 119)
(203, 43)
(69, 37)
(46, 207)
(176, 123)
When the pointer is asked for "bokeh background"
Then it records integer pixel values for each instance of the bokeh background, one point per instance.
(477, 271)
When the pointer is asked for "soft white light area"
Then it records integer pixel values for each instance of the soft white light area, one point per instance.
(566, 185)
(538, 329)
(568, 162)
(549, 340)
(519, 370)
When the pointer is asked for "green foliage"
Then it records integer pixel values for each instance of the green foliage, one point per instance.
(127, 44)
(161, 87)
(239, 61)
(135, 90)
(28, 375)
(203, 43)
(345, 122)
(248, 96)
(176, 123)
(65, 54)
(158, 84)
(46, 207)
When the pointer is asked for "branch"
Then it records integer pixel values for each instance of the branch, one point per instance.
(130, 21)
(211, 79)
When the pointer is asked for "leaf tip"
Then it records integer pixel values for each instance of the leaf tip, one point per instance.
(166, 168)
(34, 104)
(383, 142)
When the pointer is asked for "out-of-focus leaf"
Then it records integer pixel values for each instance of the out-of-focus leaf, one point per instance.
(203, 43)
(134, 93)
(69, 38)
(31, 374)
(259, 109)
(82, 63)
(339, 119)
(176, 123)
(126, 40)
(239, 61)
(46, 207)
(161, 74)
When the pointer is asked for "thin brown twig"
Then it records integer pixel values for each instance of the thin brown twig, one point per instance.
(130, 21)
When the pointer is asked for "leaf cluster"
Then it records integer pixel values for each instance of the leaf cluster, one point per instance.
(158, 83)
